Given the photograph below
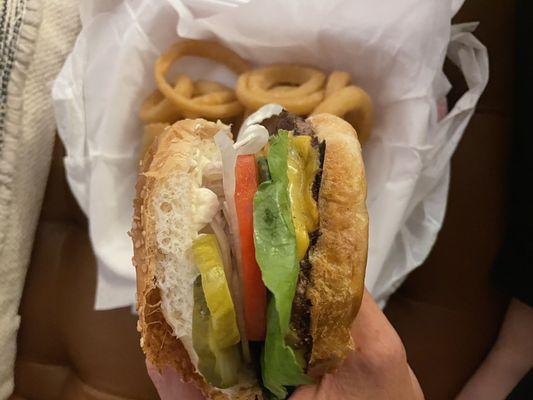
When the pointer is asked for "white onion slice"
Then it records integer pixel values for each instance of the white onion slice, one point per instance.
(217, 226)
(267, 111)
(255, 137)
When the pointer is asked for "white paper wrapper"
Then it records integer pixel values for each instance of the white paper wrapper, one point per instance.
(393, 49)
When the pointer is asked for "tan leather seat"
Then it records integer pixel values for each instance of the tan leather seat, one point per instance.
(446, 312)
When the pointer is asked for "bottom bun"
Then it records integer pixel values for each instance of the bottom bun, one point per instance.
(158, 342)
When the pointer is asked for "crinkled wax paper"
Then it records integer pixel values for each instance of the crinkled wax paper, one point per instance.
(394, 49)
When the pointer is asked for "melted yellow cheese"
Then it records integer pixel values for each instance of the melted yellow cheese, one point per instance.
(303, 166)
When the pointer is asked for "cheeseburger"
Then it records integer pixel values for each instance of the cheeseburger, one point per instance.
(250, 254)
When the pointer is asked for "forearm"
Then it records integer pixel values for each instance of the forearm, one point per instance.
(508, 361)
(496, 377)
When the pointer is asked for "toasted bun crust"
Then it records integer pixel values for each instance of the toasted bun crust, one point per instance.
(339, 257)
(157, 340)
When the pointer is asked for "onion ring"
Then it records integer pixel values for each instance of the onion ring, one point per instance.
(202, 86)
(282, 89)
(305, 80)
(157, 108)
(354, 105)
(263, 85)
(210, 92)
(203, 49)
(213, 98)
(224, 96)
(337, 80)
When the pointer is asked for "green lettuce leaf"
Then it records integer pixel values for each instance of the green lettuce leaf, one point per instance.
(275, 251)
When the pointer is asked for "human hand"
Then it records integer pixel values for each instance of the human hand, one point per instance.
(170, 386)
(377, 369)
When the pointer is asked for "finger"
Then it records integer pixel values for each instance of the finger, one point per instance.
(170, 386)
(380, 352)
(417, 389)
(306, 392)
(370, 321)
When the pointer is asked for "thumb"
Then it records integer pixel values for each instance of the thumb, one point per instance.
(170, 386)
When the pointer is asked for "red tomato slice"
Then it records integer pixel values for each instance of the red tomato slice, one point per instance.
(254, 291)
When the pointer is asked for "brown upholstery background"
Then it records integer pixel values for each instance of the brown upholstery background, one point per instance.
(446, 312)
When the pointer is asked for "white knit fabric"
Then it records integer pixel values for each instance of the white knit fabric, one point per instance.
(47, 32)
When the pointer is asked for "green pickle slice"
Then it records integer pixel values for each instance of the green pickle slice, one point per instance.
(214, 332)
(209, 261)
(219, 366)
(201, 321)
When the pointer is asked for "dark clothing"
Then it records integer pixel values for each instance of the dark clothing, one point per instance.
(524, 389)
(514, 268)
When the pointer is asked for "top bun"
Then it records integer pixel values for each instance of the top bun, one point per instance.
(339, 257)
